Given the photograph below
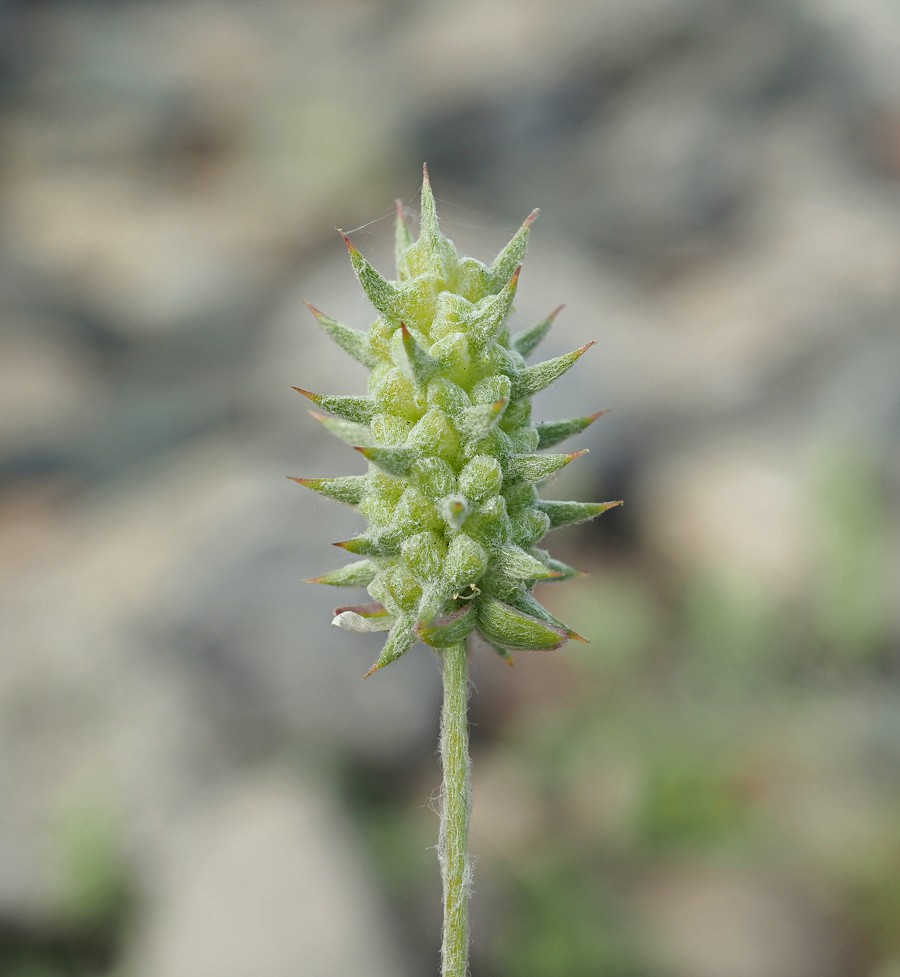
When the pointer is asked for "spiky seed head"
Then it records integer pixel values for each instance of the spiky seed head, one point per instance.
(446, 430)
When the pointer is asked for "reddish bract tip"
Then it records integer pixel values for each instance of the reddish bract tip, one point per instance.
(351, 247)
(343, 544)
(372, 609)
(575, 636)
(556, 311)
(398, 207)
(577, 454)
(316, 312)
(376, 667)
(514, 280)
(586, 347)
(599, 414)
(302, 481)
(405, 332)
(531, 218)
(308, 393)
(425, 173)
(573, 573)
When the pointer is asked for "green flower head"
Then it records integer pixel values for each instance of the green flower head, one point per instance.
(450, 494)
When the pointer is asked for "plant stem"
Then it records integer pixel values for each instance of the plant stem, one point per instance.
(455, 805)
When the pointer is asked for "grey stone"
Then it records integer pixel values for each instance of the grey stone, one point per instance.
(265, 878)
(717, 924)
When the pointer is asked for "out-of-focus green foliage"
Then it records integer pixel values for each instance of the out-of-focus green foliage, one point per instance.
(690, 801)
(94, 877)
(563, 917)
(93, 898)
(850, 600)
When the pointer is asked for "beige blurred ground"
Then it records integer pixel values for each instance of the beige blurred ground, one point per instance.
(193, 778)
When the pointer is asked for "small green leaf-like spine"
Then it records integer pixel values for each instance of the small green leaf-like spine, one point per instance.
(451, 450)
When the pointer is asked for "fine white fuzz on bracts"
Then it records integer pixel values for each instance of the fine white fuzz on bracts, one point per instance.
(453, 465)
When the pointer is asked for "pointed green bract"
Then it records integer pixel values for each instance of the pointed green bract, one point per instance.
(488, 321)
(401, 638)
(511, 256)
(402, 241)
(572, 513)
(504, 653)
(349, 489)
(509, 627)
(394, 461)
(478, 422)
(357, 409)
(429, 232)
(450, 630)
(527, 341)
(369, 546)
(551, 433)
(450, 492)
(562, 570)
(352, 341)
(384, 295)
(529, 605)
(422, 366)
(357, 435)
(516, 564)
(359, 574)
(535, 468)
(538, 377)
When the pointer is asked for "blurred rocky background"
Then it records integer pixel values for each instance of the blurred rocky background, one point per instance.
(194, 782)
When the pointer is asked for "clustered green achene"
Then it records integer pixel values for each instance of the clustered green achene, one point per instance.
(453, 469)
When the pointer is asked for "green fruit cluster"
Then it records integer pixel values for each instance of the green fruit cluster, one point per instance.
(450, 495)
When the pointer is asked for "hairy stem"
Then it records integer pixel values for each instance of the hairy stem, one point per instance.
(455, 805)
